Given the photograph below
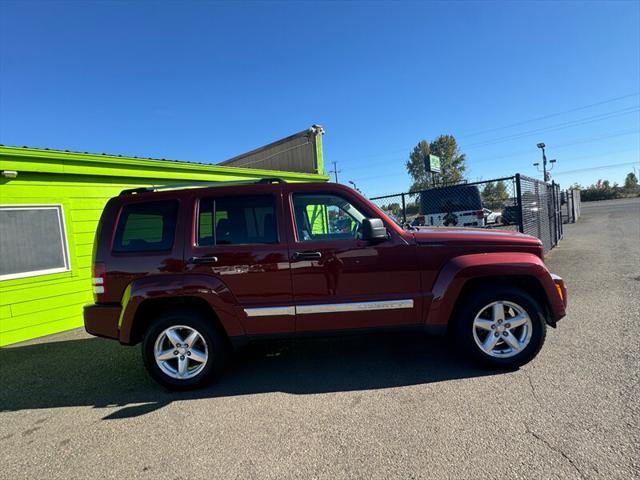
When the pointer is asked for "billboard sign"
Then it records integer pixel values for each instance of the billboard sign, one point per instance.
(432, 164)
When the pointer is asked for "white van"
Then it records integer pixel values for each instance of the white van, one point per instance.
(455, 206)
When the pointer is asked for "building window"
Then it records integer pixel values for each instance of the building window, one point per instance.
(33, 241)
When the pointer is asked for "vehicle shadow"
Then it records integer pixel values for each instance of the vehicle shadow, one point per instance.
(101, 373)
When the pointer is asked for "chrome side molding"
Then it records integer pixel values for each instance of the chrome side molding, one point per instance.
(329, 308)
(270, 311)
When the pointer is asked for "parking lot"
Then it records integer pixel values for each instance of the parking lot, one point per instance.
(392, 406)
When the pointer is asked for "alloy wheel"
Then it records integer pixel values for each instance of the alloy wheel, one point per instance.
(502, 329)
(181, 352)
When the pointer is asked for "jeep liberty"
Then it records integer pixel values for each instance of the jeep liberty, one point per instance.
(192, 273)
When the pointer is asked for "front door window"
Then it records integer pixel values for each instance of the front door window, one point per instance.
(326, 217)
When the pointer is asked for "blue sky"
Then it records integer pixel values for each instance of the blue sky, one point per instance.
(204, 81)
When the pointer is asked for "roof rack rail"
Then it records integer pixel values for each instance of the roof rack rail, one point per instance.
(155, 188)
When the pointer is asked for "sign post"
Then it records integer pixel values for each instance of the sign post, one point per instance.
(432, 166)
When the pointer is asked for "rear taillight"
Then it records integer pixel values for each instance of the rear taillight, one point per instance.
(480, 214)
(99, 272)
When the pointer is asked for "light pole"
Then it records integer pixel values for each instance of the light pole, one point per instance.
(354, 186)
(546, 175)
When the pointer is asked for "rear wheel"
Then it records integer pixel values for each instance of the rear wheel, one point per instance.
(500, 327)
(183, 350)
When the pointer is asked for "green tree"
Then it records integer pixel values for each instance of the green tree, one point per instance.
(452, 162)
(415, 166)
(631, 182)
(502, 192)
(601, 190)
(393, 208)
(494, 195)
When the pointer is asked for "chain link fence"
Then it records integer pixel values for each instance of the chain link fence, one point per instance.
(540, 208)
(486, 204)
(516, 203)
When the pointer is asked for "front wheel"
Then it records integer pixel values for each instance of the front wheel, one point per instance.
(500, 327)
(182, 350)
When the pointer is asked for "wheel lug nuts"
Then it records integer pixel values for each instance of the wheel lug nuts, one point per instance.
(505, 334)
(175, 352)
(188, 354)
(499, 321)
(493, 327)
(507, 325)
(497, 334)
(181, 357)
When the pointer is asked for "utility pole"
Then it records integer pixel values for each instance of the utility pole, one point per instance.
(546, 175)
(335, 171)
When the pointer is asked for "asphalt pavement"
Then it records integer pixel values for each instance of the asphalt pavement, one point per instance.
(393, 406)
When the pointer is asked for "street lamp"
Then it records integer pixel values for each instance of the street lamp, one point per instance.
(354, 186)
(546, 175)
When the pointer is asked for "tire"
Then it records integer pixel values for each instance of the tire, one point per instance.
(172, 328)
(520, 344)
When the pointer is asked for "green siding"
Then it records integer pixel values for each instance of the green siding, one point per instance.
(41, 305)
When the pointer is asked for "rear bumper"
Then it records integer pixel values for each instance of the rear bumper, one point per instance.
(102, 320)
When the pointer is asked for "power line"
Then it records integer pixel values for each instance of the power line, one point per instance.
(597, 167)
(580, 157)
(559, 146)
(583, 107)
(559, 126)
(524, 122)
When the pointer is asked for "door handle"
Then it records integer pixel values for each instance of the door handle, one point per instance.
(307, 255)
(203, 260)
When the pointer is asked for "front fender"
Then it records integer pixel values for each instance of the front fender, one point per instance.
(459, 270)
(210, 289)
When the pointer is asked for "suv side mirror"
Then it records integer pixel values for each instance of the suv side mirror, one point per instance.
(373, 229)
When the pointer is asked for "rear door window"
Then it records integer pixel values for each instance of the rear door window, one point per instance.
(146, 227)
(237, 220)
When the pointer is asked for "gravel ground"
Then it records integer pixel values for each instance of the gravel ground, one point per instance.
(394, 406)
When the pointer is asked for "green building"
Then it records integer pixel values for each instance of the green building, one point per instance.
(50, 203)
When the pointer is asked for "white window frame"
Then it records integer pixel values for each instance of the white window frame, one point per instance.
(64, 242)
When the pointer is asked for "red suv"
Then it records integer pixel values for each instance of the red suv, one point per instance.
(192, 273)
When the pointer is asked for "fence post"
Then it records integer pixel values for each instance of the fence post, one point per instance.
(404, 211)
(555, 215)
(559, 214)
(519, 200)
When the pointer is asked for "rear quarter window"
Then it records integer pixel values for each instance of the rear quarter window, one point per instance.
(146, 227)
